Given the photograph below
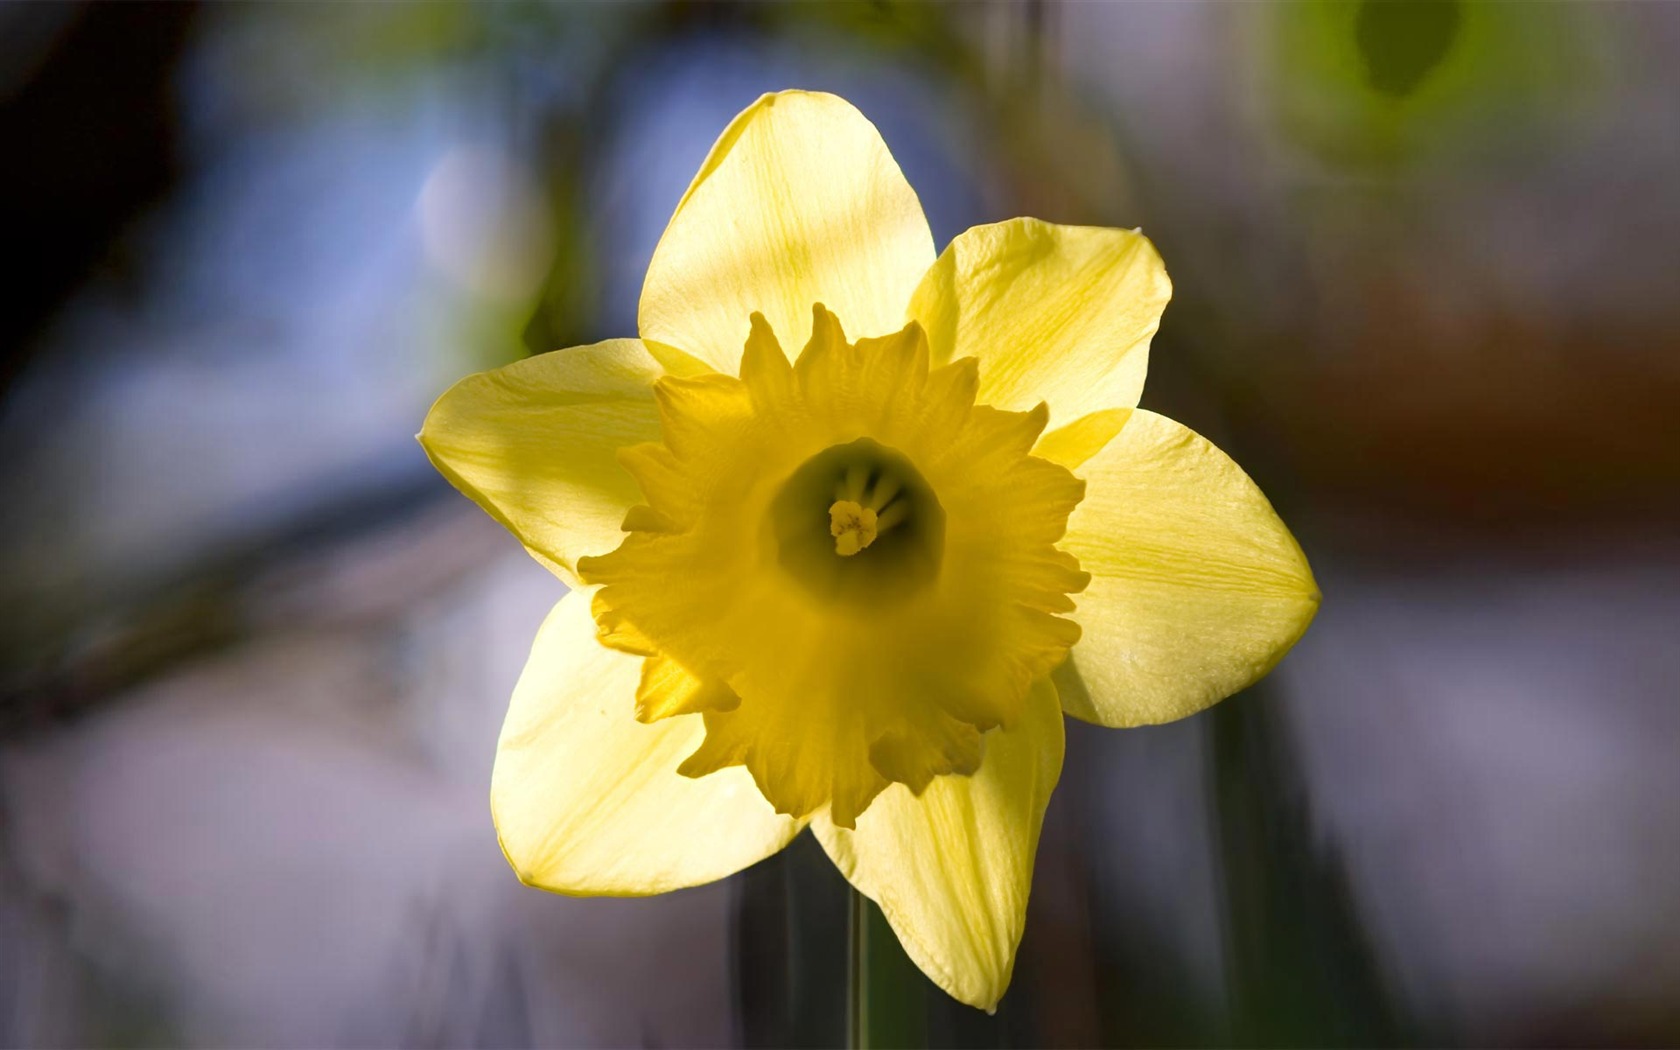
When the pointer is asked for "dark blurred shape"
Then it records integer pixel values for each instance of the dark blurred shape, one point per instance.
(192, 617)
(1303, 969)
(91, 141)
(790, 990)
(791, 969)
(1402, 41)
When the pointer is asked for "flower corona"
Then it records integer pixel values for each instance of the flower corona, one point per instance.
(827, 669)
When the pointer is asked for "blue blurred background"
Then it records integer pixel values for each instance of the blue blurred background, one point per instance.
(255, 653)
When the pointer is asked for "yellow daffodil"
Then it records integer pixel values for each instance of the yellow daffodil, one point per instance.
(828, 586)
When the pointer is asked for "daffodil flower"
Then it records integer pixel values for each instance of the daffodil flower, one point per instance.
(832, 522)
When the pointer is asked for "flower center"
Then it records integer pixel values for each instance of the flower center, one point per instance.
(856, 524)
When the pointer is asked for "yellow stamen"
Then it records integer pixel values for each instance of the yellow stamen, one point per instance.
(857, 476)
(886, 487)
(852, 526)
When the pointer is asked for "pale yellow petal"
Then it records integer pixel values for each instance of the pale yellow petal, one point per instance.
(1197, 589)
(1077, 442)
(534, 443)
(1061, 314)
(952, 869)
(799, 203)
(587, 800)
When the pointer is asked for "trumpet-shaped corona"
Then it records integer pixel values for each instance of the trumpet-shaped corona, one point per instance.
(868, 565)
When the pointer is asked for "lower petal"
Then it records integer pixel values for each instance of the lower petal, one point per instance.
(587, 800)
(952, 868)
(1197, 588)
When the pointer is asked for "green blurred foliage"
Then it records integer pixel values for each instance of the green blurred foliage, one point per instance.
(1388, 82)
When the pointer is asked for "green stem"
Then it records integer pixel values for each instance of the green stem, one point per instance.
(857, 971)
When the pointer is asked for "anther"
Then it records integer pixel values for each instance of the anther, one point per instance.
(852, 525)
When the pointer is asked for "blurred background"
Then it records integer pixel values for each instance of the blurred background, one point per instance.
(254, 652)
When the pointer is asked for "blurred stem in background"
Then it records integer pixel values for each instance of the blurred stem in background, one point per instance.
(790, 964)
(887, 995)
(857, 971)
(794, 954)
(1301, 969)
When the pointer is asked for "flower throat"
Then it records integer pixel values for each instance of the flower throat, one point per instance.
(856, 524)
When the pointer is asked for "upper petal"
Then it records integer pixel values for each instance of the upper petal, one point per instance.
(952, 869)
(799, 203)
(587, 800)
(1062, 314)
(533, 443)
(1197, 589)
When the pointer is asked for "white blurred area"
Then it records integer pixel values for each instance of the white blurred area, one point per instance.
(290, 845)
(484, 223)
(1491, 747)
